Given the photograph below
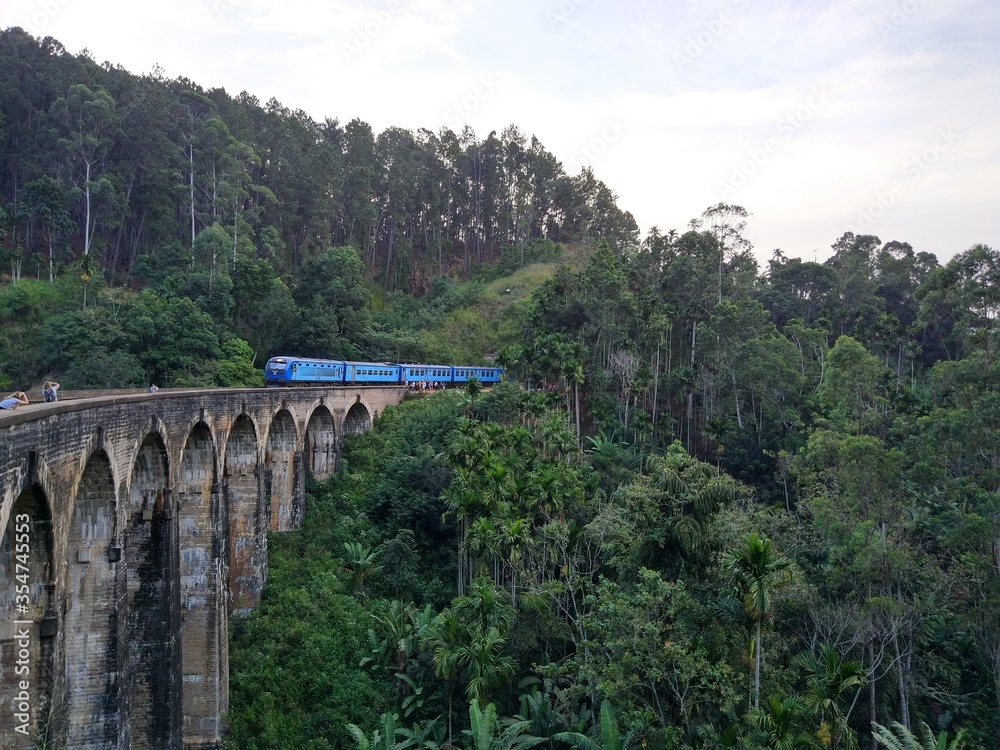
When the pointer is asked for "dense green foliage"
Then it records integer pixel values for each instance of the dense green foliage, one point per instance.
(97, 161)
(711, 507)
(799, 546)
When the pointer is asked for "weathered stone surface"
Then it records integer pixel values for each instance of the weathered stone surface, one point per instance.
(140, 523)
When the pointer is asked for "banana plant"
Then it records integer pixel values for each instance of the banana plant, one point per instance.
(611, 737)
(489, 733)
(383, 738)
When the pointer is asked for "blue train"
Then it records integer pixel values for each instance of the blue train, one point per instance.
(304, 371)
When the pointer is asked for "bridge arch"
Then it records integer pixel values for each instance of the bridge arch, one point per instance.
(279, 462)
(320, 443)
(243, 504)
(91, 642)
(150, 677)
(27, 641)
(358, 418)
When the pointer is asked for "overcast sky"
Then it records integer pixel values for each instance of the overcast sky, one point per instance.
(875, 116)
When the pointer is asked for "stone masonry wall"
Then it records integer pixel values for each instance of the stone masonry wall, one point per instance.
(139, 523)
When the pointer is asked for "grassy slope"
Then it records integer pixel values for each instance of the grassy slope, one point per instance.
(487, 318)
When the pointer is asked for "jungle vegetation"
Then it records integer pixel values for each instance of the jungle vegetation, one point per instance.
(714, 505)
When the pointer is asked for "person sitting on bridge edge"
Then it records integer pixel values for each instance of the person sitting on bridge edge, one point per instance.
(49, 391)
(153, 388)
(14, 400)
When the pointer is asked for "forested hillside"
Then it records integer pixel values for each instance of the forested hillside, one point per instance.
(715, 505)
(130, 169)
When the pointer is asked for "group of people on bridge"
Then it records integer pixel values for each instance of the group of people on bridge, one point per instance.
(50, 392)
(425, 385)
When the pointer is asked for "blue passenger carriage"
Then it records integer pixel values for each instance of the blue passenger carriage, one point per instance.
(436, 374)
(287, 370)
(371, 372)
(299, 370)
(485, 375)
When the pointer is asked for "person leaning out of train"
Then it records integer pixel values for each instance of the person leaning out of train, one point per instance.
(50, 391)
(14, 400)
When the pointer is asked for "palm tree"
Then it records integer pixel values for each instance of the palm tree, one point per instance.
(576, 376)
(485, 663)
(778, 721)
(718, 428)
(463, 502)
(901, 738)
(756, 569)
(443, 637)
(483, 545)
(472, 390)
(829, 680)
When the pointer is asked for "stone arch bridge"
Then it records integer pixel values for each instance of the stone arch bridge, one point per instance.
(134, 527)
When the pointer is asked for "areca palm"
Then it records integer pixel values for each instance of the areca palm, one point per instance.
(778, 722)
(547, 486)
(485, 663)
(483, 544)
(472, 637)
(472, 390)
(576, 376)
(444, 637)
(756, 569)
(718, 428)
(829, 680)
(462, 501)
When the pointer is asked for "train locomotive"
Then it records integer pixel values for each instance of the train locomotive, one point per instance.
(288, 371)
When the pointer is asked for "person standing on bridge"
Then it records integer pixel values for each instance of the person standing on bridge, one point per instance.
(14, 400)
(49, 391)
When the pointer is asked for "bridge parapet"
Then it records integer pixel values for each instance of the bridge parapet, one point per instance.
(139, 522)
